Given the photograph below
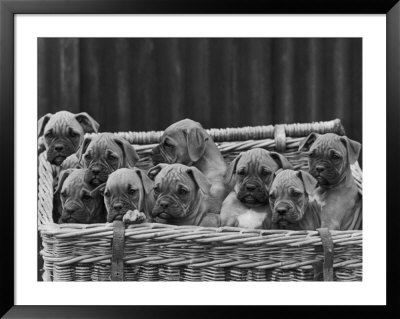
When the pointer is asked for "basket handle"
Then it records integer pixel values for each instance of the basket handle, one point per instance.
(280, 138)
(325, 266)
(117, 259)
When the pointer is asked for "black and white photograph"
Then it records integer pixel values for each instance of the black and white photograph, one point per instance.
(200, 159)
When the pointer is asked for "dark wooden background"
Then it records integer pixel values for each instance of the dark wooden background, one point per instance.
(135, 84)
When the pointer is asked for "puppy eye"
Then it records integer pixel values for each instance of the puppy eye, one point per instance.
(112, 157)
(64, 194)
(272, 196)
(167, 144)
(296, 194)
(49, 135)
(182, 191)
(156, 191)
(335, 156)
(311, 154)
(265, 172)
(88, 157)
(132, 191)
(241, 172)
(73, 134)
(107, 194)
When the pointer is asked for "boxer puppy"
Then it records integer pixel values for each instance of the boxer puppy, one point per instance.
(81, 202)
(183, 197)
(129, 192)
(290, 202)
(252, 173)
(186, 142)
(103, 154)
(329, 158)
(62, 133)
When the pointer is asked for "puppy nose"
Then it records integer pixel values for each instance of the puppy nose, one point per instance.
(117, 206)
(95, 170)
(281, 210)
(250, 187)
(164, 205)
(58, 147)
(320, 168)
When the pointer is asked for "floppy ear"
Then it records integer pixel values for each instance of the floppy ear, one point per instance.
(98, 190)
(200, 179)
(353, 149)
(153, 172)
(281, 160)
(146, 181)
(130, 155)
(308, 141)
(231, 170)
(42, 123)
(196, 142)
(63, 176)
(89, 125)
(309, 182)
(82, 149)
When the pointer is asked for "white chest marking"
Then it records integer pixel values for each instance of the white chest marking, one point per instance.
(251, 219)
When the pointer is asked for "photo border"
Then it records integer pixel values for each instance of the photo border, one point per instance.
(7, 130)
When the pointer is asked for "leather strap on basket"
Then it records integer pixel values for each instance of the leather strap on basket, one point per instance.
(280, 138)
(325, 266)
(117, 259)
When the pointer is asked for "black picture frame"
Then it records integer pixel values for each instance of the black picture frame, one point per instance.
(8, 10)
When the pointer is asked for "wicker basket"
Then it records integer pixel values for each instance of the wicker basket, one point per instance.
(151, 251)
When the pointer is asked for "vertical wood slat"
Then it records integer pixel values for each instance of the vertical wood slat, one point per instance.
(69, 74)
(197, 84)
(146, 84)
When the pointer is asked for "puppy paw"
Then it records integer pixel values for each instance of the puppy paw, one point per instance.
(134, 217)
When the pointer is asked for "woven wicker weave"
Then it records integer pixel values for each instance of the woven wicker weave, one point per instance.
(76, 252)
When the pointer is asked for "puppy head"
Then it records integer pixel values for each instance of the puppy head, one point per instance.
(183, 142)
(126, 189)
(62, 133)
(103, 154)
(177, 190)
(288, 197)
(253, 172)
(81, 203)
(330, 156)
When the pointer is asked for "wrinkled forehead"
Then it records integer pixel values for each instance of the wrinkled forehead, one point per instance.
(328, 142)
(62, 121)
(286, 179)
(256, 158)
(169, 177)
(174, 133)
(101, 143)
(75, 182)
(122, 179)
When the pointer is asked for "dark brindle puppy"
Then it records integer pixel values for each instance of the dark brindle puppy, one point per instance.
(291, 201)
(103, 154)
(129, 191)
(183, 196)
(330, 156)
(62, 133)
(81, 202)
(187, 142)
(252, 173)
